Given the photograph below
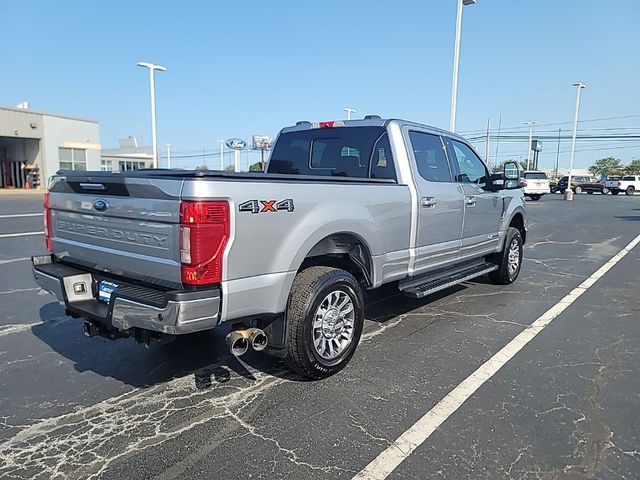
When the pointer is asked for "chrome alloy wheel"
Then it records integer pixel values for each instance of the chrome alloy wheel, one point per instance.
(514, 257)
(333, 325)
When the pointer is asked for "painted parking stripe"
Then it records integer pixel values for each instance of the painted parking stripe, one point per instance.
(405, 444)
(24, 234)
(20, 215)
(14, 260)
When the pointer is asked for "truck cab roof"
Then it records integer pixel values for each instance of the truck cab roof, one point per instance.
(369, 122)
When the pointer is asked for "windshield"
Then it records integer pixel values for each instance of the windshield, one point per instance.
(354, 152)
(536, 175)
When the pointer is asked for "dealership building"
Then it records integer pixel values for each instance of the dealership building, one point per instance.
(34, 145)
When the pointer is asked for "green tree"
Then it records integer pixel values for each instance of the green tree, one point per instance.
(255, 167)
(633, 168)
(606, 166)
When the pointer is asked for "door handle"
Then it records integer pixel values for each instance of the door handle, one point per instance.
(428, 202)
(470, 200)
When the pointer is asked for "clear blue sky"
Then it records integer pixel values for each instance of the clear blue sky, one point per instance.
(244, 67)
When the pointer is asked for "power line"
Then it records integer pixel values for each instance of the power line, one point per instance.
(466, 132)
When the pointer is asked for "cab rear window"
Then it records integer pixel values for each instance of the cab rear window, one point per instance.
(353, 152)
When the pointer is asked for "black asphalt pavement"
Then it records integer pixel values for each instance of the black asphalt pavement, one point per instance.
(564, 407)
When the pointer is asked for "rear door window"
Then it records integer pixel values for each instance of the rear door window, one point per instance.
(629, 179)
(430, 157)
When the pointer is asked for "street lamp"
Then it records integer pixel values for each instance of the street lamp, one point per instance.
(349, 111)
(152, 68)
(456, 61)
(531, 124)
(221, 142)
(568, 193)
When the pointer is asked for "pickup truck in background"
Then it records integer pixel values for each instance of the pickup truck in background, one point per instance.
(535, 184)
(281, 257)
(627, 184)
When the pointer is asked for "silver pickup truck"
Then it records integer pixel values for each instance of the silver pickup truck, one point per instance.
(281, 257)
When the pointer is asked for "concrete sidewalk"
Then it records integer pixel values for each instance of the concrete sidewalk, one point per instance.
(21, 191)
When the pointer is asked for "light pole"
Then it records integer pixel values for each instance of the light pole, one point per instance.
(152, 88)
(456, 61)
(349, 111)
(221, 142)
(568, 193)
(531, 124)
(168, 155)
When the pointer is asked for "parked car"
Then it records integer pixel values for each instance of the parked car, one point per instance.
(612, 183)
(535, 184)
(627, 184)
(283, 257)
(581, 183)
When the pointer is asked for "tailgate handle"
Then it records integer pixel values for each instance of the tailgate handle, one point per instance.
(93, 186)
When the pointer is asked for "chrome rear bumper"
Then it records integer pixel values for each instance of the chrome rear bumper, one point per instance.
(173, 312)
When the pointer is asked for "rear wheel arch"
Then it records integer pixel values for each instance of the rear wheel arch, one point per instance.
(345, 250)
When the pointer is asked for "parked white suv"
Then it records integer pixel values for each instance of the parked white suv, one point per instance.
(629, 184)
(535, 184)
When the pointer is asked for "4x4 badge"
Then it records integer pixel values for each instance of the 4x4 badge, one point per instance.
(266, 206)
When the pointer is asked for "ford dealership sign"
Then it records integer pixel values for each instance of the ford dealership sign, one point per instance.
(236, 144)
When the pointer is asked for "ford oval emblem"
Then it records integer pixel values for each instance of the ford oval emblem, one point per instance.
(100, 205)
(236, 144)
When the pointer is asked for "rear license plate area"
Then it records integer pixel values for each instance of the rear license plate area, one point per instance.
(105, 290)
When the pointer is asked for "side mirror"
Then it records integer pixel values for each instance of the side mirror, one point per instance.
(511, 176)
(498, 181)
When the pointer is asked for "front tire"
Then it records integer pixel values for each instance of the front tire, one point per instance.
(605, 190)
(577, 190)
(325, 315)
(509, 260)
(615, 192)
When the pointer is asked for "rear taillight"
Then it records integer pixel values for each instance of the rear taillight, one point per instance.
(204, 232)
(47, 222)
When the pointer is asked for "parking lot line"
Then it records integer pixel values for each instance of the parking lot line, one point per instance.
(13, 260)
(385, 463)
(20, 215)
(24, 234)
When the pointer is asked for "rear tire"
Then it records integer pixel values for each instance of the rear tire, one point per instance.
(535, 198)
(325, 315)
(509, 260)
(615, 192)
(590, 193)
(577, 190)
(630, 190)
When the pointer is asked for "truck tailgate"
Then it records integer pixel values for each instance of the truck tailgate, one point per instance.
(123, 226)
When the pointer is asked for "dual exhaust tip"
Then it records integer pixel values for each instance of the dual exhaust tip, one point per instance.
(240, 340)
